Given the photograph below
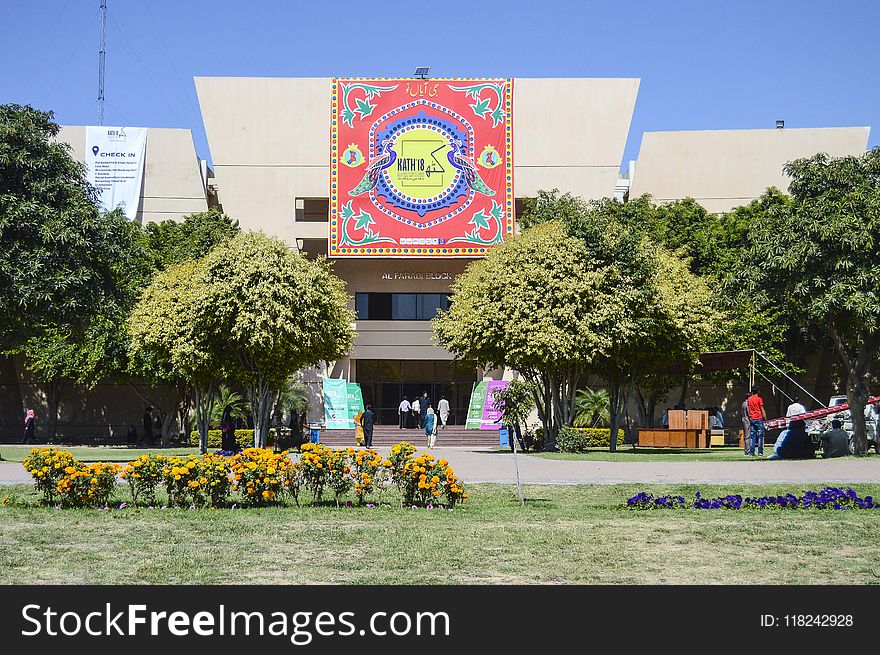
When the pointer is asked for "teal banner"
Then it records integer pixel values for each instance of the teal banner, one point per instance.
(336, 405)
(475, 408)
(355, 401)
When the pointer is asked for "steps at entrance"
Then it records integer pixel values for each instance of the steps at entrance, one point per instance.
(387, 435)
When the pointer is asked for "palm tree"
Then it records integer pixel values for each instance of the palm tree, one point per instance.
(591, 408)
(226, 396)
(293, 396)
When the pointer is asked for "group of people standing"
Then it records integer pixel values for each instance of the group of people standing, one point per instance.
(420, 413)
(413, 414)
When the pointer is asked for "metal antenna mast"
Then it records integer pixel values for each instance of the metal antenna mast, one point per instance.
(101, 64)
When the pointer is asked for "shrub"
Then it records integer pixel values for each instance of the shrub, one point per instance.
(63, 479)
(578, 440)
(537, 442)
(182, 476)
(313, 463)
(425, 479)
(87, 485)
(48, 466)
(244, 438)
(370, 472)
(339, 472)
(259, 475)
(401, 455)
(143, 476)
(215, 479)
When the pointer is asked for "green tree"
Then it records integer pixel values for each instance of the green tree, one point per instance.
(271, 312)
(226, 397)
(166, 340)
(822, 253)
(60, 257)
(172, 242)
(592, 408)
(516, 402)
(167, 244)
(658, 307)
(69, 272)
(536, 304)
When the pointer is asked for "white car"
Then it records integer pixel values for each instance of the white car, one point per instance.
(817, 426)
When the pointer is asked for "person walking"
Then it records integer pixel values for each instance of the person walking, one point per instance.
(403, 412)
(795, 408)
(424, 403)
(148, 427)
(430, 426)
(745, 422)
(359, 428)
(368, 420)
(417, 413)
(443, 411)
(757, 416)
(227, 431)
(29, 421)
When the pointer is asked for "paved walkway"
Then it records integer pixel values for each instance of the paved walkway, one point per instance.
(477, 465)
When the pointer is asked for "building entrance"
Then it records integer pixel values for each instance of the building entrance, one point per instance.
(385, 382)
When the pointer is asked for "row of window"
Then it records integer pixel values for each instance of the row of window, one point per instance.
(399, 306)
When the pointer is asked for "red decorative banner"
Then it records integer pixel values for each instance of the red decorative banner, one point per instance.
(420, 168)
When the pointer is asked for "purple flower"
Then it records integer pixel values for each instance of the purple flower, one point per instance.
(348, 504)
(192, 506)
(123, 505)
(370, 506)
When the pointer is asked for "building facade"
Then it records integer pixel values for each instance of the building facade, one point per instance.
(270, 144)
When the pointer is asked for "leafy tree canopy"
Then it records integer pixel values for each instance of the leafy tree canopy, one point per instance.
(660, 313)
(270, 312)
(61, 259)
(172, 242)
(821, 253)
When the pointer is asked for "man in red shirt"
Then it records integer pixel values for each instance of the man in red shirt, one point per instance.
(757, 416)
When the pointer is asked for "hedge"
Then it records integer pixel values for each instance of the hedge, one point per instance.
(245, 438)
(578, 440)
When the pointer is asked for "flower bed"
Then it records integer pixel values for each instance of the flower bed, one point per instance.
(832, 498)
(253, 477)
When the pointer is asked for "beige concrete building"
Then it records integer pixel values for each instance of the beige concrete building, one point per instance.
(270, 144)
(269, 140)
(722, 169)
(175, 181)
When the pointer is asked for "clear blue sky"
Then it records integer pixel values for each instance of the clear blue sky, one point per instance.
(703, 65)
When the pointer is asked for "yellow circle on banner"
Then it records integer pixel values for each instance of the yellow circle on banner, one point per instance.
(421, 169)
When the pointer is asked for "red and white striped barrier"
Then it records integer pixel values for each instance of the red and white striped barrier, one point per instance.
(782, 421)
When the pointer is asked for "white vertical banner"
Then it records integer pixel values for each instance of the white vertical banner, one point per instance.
(115, 163)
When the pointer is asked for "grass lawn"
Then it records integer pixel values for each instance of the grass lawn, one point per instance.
(17, 453)
(564, 534)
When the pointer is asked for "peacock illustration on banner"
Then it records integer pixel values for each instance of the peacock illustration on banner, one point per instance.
(465, 164)
(420, 169)
(371, 177)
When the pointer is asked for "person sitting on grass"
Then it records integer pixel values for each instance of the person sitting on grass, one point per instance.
(835, 442)
(794, 443)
